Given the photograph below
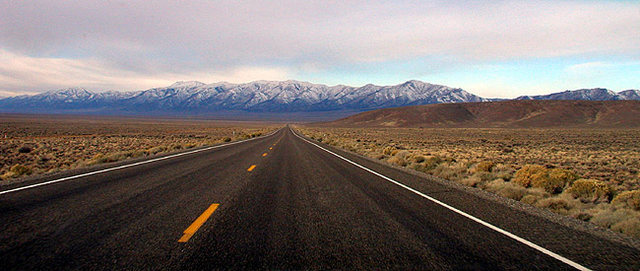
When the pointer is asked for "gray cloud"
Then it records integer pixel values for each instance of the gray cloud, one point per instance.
(158, 38)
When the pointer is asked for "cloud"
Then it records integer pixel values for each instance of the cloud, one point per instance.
(21, 74)
(588, 68)
(141, 38)
(602, 69)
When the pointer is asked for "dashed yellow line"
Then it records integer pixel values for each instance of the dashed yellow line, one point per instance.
(251, 168)
(271, 148)
(191, 230)
(264, 154)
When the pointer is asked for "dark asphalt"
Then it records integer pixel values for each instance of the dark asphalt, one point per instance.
(300, 208)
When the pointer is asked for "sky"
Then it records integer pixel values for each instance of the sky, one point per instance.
(490, 48)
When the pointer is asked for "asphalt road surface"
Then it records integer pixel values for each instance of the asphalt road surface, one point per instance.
(280, 202)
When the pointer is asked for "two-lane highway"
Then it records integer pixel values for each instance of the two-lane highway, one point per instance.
(280, 202)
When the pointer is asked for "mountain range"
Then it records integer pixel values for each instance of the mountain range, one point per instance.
(260, 96)
(264, 97)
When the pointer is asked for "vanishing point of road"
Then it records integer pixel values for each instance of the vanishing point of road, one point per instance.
(279, 201)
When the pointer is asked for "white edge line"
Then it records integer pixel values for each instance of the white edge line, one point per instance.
(486, 224)
(131, 165)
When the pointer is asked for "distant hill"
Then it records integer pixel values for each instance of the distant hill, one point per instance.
(594, 94)
(514, 113)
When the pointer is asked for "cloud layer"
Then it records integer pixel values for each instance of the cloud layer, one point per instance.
(139, 44)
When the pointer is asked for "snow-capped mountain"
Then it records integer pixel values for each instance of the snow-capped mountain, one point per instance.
(594, 94)
(630, 94)
(63, 99)
(265, 96)
(259, 96)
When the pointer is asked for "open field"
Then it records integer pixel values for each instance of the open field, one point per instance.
(589, 174)
(36, 144)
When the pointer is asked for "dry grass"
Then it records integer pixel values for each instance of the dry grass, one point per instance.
(41, 144)
(589, 174)
(506, 189)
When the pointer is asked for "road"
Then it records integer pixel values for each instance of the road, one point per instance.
(281, 202)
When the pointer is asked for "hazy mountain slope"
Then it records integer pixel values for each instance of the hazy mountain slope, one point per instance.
(515, 113)
(630, 94)
(595, 94)
(71, 99)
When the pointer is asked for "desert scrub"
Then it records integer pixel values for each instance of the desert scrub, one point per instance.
(398, 161)
(530, 174)
(17, 171)
(156, 150)
(399, 158)
(609, 155)
(388, 150)
(430, 163)
(551, 180)
(628, 199)
(503, 171)
(451, 171)
(112, 157)
(555, 204)
(484, 166)
(472, 181)
(534, 195)
(506, 189)
(607, 217)
(557, 180)
(45, 145)
(630, 227)
(618, 219)
(590, 190)
(419, 159)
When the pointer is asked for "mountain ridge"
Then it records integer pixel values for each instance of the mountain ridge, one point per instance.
(257, 96)
(593, 94)
(290, 96)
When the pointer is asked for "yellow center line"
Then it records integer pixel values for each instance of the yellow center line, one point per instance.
(251, 167)
(191, 230)
(264, 154)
